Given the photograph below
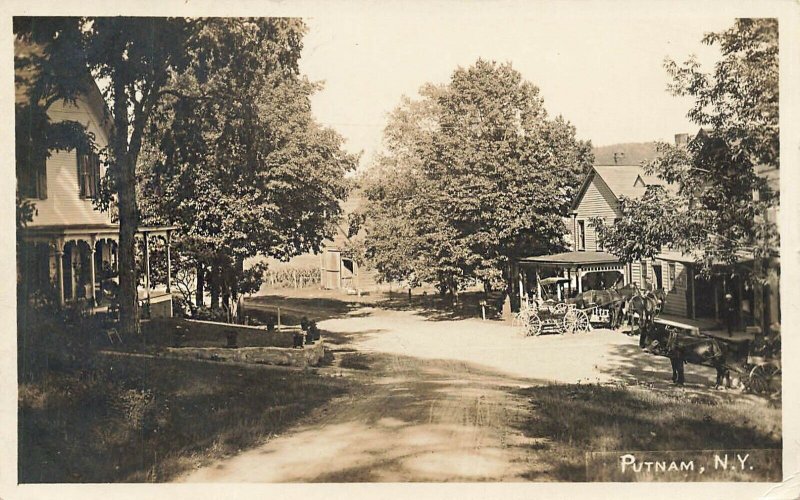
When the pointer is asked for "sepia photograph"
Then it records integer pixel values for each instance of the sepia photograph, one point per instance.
(344, 247)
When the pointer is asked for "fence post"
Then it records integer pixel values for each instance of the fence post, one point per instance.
(279, 319)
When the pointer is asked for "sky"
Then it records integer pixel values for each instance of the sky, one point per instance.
(601, 69)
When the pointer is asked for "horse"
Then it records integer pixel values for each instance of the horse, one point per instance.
(706, 351)
(624, 294)
(643, 307)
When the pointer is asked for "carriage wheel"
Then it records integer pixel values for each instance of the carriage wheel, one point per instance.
(570, 321)
(765, 379)
(582, 323)
(534, 326)
(560, 308)
(520, 318)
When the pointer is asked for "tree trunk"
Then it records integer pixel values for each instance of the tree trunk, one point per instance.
(201, 284)
(126, 193)
(214, 285)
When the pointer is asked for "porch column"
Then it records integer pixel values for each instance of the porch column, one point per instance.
(59, 252)
(580, 284)
(147, 266)
(538, 284)
(521, 288)
(92, 250)
(716, 300)
(169, 262)
(569, 283)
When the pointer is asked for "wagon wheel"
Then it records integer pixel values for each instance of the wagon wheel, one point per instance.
(765, 378)
(570, 321)
(534, 326)
(560, 308)
(520, 318)
(582, 323)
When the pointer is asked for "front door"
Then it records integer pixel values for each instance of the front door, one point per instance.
(657, 274)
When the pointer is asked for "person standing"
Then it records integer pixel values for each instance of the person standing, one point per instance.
(730, 313)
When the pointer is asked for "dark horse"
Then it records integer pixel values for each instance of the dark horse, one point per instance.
(703, 350)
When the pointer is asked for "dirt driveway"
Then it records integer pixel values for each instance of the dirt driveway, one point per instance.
(440, 401)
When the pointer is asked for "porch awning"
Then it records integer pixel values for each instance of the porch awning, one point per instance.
(572, 259)
(86, 232)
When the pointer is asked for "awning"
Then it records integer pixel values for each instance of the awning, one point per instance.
(572, 259)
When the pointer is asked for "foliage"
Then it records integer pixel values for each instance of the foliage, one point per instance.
(716, 175)
(474, 176)
(648, 224)
(235, 157)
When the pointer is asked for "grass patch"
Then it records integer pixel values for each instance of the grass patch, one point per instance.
(88, 417)
(575, 419)
(355, 361)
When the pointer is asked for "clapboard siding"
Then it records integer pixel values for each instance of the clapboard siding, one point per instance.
(676, 291)
(597, 201)
(63, 205)
(636, 273)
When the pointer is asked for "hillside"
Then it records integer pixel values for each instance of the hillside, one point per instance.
(634, 153)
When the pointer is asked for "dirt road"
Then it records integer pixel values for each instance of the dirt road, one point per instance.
(440, 401)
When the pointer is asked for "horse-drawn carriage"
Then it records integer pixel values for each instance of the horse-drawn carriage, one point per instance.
(756, 364)
(552, 317)
(549, 313)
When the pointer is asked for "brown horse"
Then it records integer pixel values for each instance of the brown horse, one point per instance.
(609, 299)
(707, 351)
(624, 295)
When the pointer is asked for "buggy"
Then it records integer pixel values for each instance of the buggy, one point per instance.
(548, 315)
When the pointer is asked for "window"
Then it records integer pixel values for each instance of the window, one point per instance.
(672, 274)
(581, 236)
(32, 178)
(644, 273)
(88, 174)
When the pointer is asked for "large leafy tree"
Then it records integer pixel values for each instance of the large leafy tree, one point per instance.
(238, 161)
(722, 199)
(475, 176)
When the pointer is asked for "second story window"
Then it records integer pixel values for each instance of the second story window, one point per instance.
(88, 174)
(32, 179)
(31, 164)
(581, 236)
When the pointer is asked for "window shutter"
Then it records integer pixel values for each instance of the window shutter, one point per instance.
(95, 175)
(81, 172)
(41, 179)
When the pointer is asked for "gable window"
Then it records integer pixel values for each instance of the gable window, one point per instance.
(88, 174)
(581, 236)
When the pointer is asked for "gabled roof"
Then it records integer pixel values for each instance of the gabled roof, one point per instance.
(92, 93)
(622, 180)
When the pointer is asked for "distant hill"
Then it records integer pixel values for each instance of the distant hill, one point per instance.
(634, 153)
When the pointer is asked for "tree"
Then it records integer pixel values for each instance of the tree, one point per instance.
(238, 161)
(648, 224)
(722, 198)
(475, 176)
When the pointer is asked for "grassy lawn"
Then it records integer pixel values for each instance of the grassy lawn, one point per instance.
(566, 421)
(88, 417)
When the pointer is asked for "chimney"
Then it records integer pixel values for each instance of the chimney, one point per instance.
(681, 140)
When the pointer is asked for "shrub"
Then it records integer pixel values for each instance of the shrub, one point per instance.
(207, 314)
